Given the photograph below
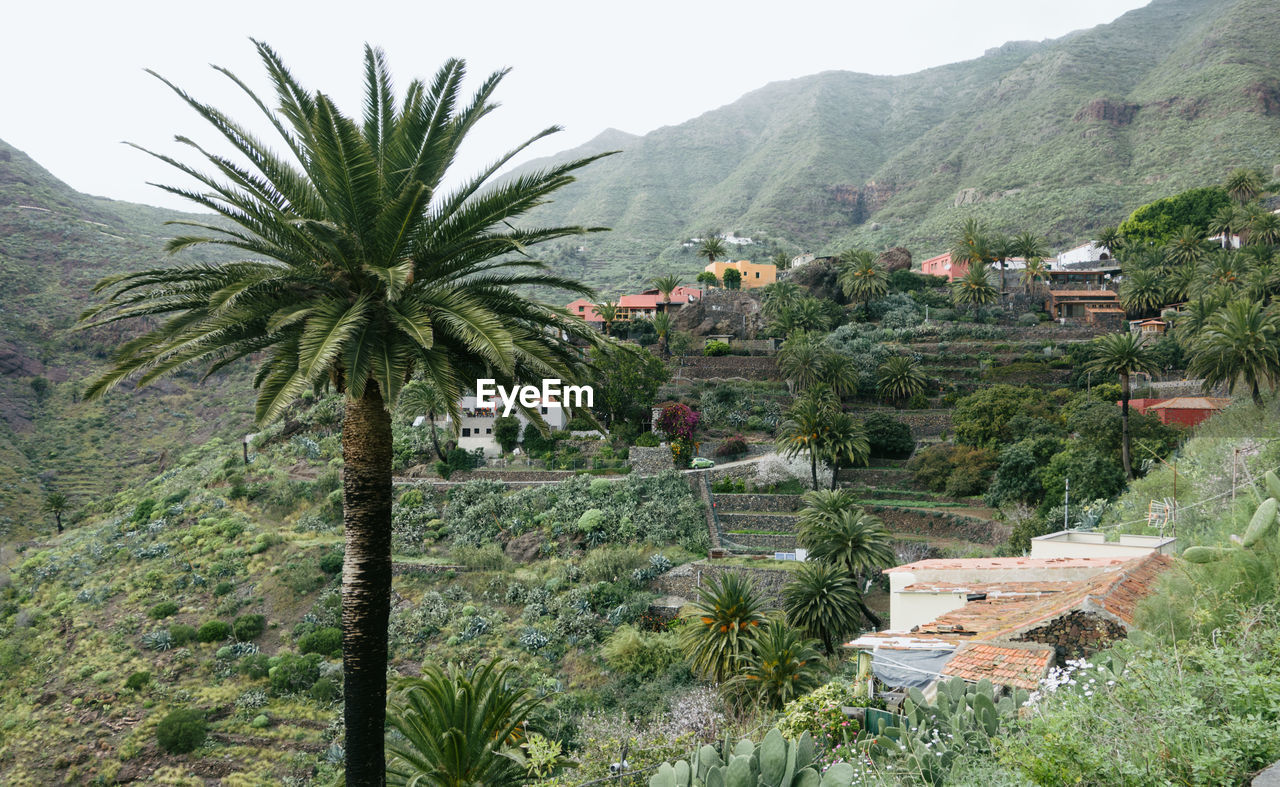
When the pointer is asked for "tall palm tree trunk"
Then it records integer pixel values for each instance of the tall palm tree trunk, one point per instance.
(435, 438)
(1124, 426)
(813, 467)
(871, 617)
(366, 582)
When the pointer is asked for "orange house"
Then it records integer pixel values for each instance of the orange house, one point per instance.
(942, 265)
(754, 274)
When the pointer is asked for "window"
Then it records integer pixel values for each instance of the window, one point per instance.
(757, 274)
(466, 431)
(544, 411)
(581, 308)
(488, 431)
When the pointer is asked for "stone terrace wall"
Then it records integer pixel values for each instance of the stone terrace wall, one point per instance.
(764, 541)
(685, 580)
(495, 475)
(1078, 634)
(748, 367)
(649, 460)
(769, 503)
(941, 524)
(782, 523)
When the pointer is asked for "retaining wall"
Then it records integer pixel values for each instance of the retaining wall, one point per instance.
(941, 524)
(750, 367)
(685, 580)
(750, 502)
(782, 523)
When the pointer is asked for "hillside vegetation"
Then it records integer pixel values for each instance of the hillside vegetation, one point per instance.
(1072, 133)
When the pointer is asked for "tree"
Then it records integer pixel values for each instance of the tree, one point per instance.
(420, 397)
(982, 418)
(822, 599)
(1226, 221)
(1240, 343)
(1033, 272)
(723, 623)
(1030, 247)
(506, 430)
(1243, 185)
(732, 278)
(1187, 247)
(608, 314)
(626, 382)
(707, 278)
(459, 728)
(1122, 354)
(1264, 229)
(779, 666)
(1156, 222)
(781, 260)
(844, 443)
(55, 503)
(799, 359)
(662, 327)
(971, 246)
(666, 285)
(974, 288)
(849, 538)
(362, 270)
(806, 314)
(778, 297)
(712, 247)
(900, 379)
(862, 275)
(1002, 248)
(1143, 291)
(802, 431)
(889, 437)
(1112, 239)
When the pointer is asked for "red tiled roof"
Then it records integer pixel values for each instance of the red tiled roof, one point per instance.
(1106, 295)
(1021, 666)
(998, 563)
(1193, 403)
(586, 312)
(639, 301)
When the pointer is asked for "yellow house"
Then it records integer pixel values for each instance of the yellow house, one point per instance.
(754, 274)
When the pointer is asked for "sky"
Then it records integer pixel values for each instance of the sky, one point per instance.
(74, 86)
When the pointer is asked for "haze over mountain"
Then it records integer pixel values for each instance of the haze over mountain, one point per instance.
(1060, 137)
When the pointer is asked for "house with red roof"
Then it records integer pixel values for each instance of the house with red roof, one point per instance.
(1182, 410)
(642, 305)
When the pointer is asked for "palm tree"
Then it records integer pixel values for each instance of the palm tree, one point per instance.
(1143, 291)
(1264, 229)
(778, 297)
(802, 431)
(806, 314)
(608, 314)
(360, 269)
(779, 666)
(1243, 185)
(662, 327)
(971, 245)
(781, 261)
(722, 625)
(1033, 273)
(1122, 354)
(862, 275)
(851, 539)
(1224, 272)
(900, 379)
(823, 503)
(458, 728)
(1002, 248)
(1030, 247)
(1112, 239)
(799, 360)
(838, 373)
(822, 599)
(420, 397)
(1226, 222)
(55, 503)
(1241, 342)
(974, 288)
(844, 443)
(712, 247)
(1188, 247)
(666, 285)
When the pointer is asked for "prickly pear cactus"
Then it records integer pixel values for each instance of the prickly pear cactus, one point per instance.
(776, 762)
(1262, 527)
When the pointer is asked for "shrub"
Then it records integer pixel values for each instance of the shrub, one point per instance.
(260, 722)
(223, 588)
(611, 563)
(213, 631)
(325, 641)
(889, 438)
(648, 440)
(181, 731)
(716, 348)
(137, 681)
(331, 562)
(734, 446)
(180, 634)
(638, 653)
(248, 627)
(162, 610)
(488, 557)
(295, 673)
(325, 690)
(255, 666)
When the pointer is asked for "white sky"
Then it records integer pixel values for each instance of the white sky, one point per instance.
(72, 85)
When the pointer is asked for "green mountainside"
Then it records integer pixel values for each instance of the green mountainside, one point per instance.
(1060, 137)
(54, 245)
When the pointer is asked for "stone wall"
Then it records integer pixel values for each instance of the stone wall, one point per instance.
(724, 366)
(875, 476)
(502, 475)
(782, 523)
(940, 524)
(925, 423)
(771, 503)
(685, 580)
(424, 568)
(747, 472)
(649, 460)
(769, 542)
(1078, 634)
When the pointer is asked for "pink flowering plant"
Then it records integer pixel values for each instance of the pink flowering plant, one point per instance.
(821, 714)
(679, 422)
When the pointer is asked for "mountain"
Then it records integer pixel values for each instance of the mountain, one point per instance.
(55, 243)
(1060, 137)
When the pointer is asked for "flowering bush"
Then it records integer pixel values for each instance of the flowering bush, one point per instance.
(820, 714)
(775, 469)
(678, 421)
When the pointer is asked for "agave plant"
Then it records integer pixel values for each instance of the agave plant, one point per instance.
(725, 621)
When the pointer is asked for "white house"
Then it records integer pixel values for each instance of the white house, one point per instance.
(1085, 253)
(476, 427)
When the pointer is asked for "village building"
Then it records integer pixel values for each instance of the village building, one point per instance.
(754, 274)
(475, 428)
(1182, 410)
